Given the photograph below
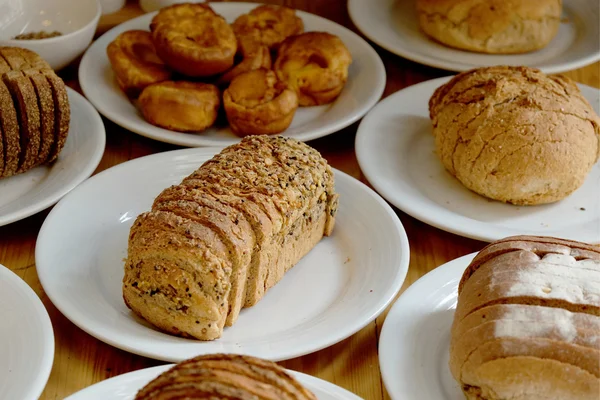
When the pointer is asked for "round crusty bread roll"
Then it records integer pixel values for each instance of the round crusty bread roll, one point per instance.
(491, 26)
(514, 134)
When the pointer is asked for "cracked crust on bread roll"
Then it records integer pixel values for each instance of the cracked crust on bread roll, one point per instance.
(514, 134)
(227, 233)
(257, 103)
(225, 376)
(527, 321)
(491, 26)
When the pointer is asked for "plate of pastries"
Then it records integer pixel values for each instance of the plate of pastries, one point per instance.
(190, 251)
(51, 138)
(458, 35)
(216, 375)
(517, 320)
(207, 74)
(489, 153)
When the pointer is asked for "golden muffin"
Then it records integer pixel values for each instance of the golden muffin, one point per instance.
(491, 26)
(193, 40)
(514, 134)
(135, 63)
(180, 106)
(269, 25)
(315, 65)
(253, 54)
(257, 103)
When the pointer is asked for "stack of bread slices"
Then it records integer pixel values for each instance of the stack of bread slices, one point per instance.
(34, 112)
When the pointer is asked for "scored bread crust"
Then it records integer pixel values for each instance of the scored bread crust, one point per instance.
(527, 321)
(267, 201)
(229, 376)
(491, 26)
(10, 131)
(47, 115)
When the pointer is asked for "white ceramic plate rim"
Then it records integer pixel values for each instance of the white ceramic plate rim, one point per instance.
(361, 24)
(124, 380)
(388, 363)
(40, 377)
(98, 133)
(124, 120)
(343, 332)
(434, 215)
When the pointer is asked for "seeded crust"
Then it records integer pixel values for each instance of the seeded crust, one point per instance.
(491, 26)
(4, 67)
(515, 135)
(62, 113)
(15, 57)
(10, 132)
(46, 106)
(225, 376)
(527, 321)
(25, 99)
(268, 201)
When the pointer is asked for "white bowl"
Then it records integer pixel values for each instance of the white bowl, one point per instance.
(75, 20)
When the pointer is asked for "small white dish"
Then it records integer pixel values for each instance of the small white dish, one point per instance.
(124, 387)
(393, 25)
(351, 276)
(37, 189)
(364, 88)
(414, 347)
(75, 20)
(396, 153)
(26, 340)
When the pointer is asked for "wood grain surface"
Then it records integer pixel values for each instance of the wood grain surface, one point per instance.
(82, 360)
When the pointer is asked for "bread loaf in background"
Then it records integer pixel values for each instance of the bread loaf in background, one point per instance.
(527, 323)
(226, 234)
(491, 26)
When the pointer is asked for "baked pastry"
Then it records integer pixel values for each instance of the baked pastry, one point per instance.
(135, 63)
(225, 376)
(256, 103)
(515, 135)
(253, 56)
(315, 65)
(180, 106)
(491, 26)
(193, 40)
(226, 234)
(527, 321)
(269, 25)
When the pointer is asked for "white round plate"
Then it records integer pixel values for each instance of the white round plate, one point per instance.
(366, 81)
(28, 193)
(345, 282)
(415, 339)
(396, 152)
(124, 387)
(26, 340)
(393, 25)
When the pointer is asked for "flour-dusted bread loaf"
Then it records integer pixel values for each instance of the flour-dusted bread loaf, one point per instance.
(527, 323)
(491, 26)
(514, 134)
(227, 233)
(225, 376)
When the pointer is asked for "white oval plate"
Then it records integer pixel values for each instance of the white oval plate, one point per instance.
(26, 340)
(366, 81)
(395, 150)
(393, 25)
(125, 387)
(415, 339)
(345, 282)
(28, 193)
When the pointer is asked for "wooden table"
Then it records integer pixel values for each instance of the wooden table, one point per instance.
(82, 360)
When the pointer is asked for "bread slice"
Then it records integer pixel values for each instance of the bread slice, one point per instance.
(15, 58)
(45, 99)
(10, 132)
(4, 67)
(62, 113)
(25, 100)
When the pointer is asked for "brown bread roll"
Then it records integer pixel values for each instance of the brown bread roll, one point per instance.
(527, 321)
(226, 234)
